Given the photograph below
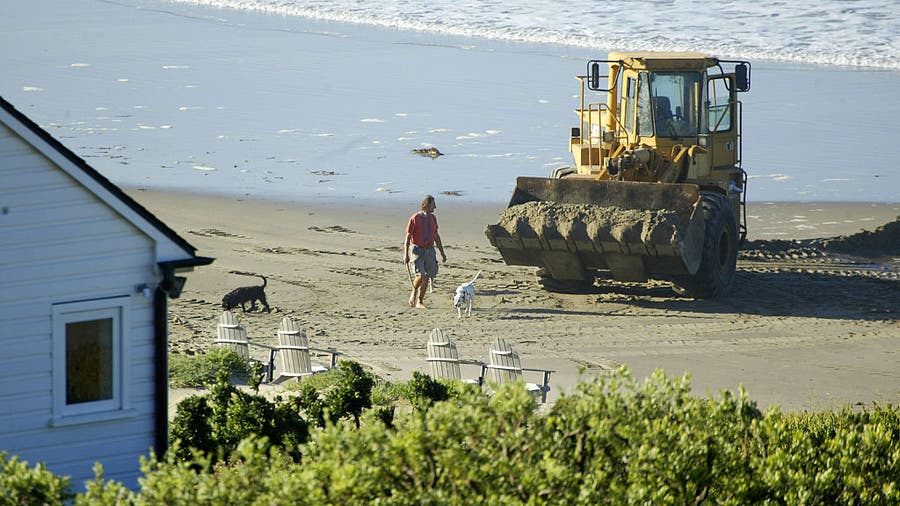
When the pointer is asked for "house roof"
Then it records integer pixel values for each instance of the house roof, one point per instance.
(103, 188)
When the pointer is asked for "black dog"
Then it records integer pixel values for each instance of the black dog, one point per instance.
(244, 294)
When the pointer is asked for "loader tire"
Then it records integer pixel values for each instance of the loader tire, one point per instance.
(574, 286)
(720, 249)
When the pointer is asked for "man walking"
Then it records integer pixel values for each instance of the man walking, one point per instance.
(421, 238)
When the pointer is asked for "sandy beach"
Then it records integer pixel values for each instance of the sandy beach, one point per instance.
(280, 146)
(799, 331)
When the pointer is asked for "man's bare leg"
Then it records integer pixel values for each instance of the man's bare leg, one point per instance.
(416, 289)
(423, 286)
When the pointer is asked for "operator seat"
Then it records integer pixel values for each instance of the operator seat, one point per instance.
(662, 109)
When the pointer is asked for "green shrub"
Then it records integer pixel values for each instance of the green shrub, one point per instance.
(351, 394)
(24, 485)
(100, 492)
(252, 474)
(616, 441)
(613, 440)
(312, 404)
(388, 393)
(319, 381)
(197, 371)
(832, 458)
(214, 424)
(423, 391)
(454, 453)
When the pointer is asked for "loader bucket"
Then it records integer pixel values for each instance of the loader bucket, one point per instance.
(573, 225)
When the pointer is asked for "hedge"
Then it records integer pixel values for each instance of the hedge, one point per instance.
(614, 440)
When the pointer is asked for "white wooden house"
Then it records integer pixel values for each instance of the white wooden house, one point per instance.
(85, 277)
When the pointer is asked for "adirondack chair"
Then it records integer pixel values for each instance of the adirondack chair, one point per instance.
(505, 367)
(294, 352)
(444, 359)
(231, 334)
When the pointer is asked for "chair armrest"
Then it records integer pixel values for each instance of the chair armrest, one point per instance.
(545, 386)
(270, 369)
(538, 370)
(477, 363)
(329, 351)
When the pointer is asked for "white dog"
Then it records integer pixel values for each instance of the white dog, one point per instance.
(465, 294)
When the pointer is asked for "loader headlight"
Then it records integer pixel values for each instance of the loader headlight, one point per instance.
(609, 136)
(703, 140)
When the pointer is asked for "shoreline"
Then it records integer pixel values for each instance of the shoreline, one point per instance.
(792, 220)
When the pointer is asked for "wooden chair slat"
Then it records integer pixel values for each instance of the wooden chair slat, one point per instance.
(506, 367)
(443, 358)
(293, 352)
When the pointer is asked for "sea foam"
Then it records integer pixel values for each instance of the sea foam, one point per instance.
(800, 31)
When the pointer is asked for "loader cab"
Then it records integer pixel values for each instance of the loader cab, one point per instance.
(685, 100)
(666, 104)
(661, 110)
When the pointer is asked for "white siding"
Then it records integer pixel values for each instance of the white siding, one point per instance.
(60, 243)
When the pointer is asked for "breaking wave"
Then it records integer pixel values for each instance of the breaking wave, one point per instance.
(863, 33)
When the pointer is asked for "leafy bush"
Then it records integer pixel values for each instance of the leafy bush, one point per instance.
(216, 423)
(21, 484)
(614, 440)
(319, 381)
(99, 492)
(388, 393)
(200, 370)
(424, 391)
(255, 473)
(312, 404)
(352, 393)
(832, 458)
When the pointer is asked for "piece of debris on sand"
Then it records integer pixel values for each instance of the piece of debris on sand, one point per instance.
(431, 152)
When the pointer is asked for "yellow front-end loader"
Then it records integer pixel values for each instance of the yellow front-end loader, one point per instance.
(657, 188)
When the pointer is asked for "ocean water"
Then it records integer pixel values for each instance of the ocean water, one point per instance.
(325, 100)
(856, 33)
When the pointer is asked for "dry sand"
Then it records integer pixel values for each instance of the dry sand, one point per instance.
(803, 329)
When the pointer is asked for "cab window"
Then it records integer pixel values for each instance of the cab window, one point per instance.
(629, 104)
(719, 104)
(644, 116)
(674, 103)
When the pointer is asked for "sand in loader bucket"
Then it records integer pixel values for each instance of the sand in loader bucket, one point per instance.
(598, 224)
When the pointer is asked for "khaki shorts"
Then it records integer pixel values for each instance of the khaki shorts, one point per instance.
(424, 260)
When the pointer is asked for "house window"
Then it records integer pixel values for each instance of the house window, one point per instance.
(89, 353)
(89, 361)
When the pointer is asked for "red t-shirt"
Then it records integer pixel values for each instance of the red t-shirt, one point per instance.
(423, 228)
